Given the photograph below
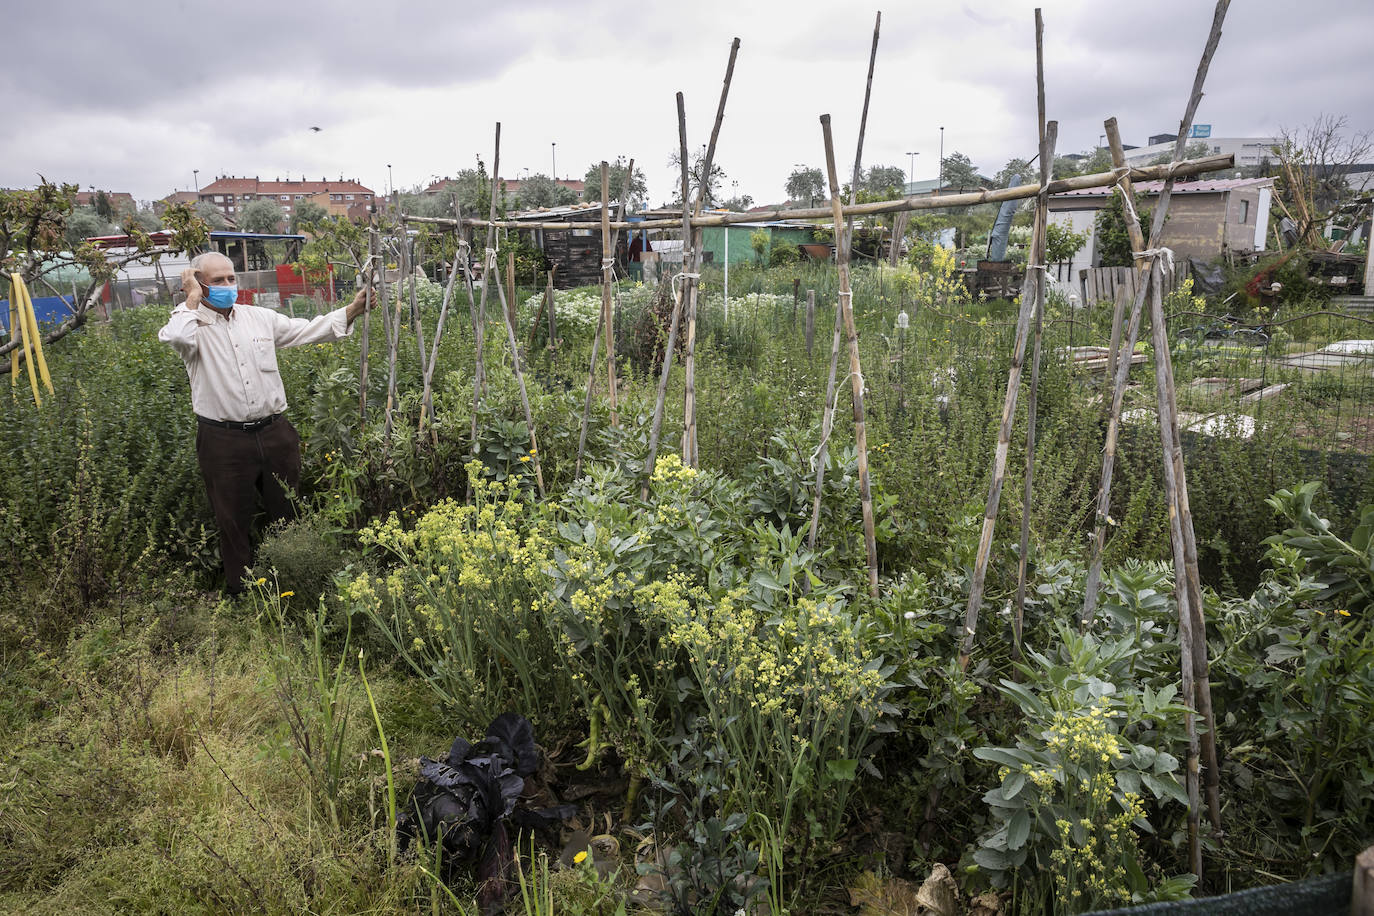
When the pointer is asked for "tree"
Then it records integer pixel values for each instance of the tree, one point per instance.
(473, 188)
(85, 223)
(615, 181)
(885, 180)
(1062, 243)
(1113, 241)
(739, 203)
(260, 216)
(713, 184)
(211, 215)
(806, 184)
(539, 190)
(1067, 166)
(959, 172)
(307, 211)
(34, 243)
(1313, 162)
(1016, 171)
(1195, 150)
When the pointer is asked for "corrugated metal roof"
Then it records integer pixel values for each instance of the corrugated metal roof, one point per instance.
(1203, 186)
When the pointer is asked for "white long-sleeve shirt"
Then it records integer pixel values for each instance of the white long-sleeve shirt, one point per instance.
(232, 362)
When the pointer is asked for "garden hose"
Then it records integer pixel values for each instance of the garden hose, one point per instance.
(24, 322)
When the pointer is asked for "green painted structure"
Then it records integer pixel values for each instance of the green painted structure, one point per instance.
(741, 240)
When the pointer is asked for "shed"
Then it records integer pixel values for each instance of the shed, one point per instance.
(1207, 218)
(575, 252)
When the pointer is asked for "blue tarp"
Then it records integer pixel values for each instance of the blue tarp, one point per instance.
(50, 310)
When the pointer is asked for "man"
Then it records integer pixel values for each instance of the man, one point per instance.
(244, 444)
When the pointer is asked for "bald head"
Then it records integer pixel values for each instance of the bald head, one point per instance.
(214, 269)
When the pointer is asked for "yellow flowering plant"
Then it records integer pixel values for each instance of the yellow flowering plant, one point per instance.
(464, 604)
(1072, 791)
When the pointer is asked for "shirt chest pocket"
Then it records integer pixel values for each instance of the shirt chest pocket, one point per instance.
(265, 354)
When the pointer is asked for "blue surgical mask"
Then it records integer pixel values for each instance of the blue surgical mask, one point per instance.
(222, 297)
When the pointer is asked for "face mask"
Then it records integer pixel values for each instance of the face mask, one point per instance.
(222, 297)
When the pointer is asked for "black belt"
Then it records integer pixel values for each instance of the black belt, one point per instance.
(246, 426)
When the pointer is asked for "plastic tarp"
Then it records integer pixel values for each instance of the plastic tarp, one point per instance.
(1328, 895)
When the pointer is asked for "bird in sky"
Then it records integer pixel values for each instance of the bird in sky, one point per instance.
(317, 129)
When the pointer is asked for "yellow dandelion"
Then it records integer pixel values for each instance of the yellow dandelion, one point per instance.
(288, 594)
(580, 857)
(524, 457)
(261, 582)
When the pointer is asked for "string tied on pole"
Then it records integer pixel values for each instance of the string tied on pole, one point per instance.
(1162, 253)
(608, 263)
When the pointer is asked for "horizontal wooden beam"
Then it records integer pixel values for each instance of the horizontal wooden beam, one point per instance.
(1184, 169)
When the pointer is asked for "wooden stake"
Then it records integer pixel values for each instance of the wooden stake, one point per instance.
(1038, 291)
(999, 459)
(607, 279)
(855, 370)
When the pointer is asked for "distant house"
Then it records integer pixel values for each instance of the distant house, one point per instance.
(120, 201)
(176, 197)
(231, 194)
(1207, 218)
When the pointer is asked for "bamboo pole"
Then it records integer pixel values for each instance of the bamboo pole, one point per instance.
(479, 371)
(679, 297)
(1119, 372)
(600, 328)
(427, 394)
(393, 342)
(587, 402)
(1186, 634)
(524, 394)
(842, 248)
(1037, 278)
(855, 370)
(827, 420)
(411, 260)
(999, 460)
(510, 287)
(608, 278)
(1183, 169)
(690, 275)
(553, 310)
(810, 320)
(363, 342)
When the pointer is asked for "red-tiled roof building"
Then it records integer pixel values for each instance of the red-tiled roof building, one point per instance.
(231, 194)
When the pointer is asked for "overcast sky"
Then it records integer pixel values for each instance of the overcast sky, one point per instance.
(133, 97)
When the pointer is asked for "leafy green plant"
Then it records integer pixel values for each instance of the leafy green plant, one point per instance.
(1344, 568)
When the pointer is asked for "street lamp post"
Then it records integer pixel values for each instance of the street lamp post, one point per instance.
(942, 159)
(553, 151)
(911, 167)
(195, 176)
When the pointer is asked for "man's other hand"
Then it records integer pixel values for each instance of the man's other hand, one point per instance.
(190, 285)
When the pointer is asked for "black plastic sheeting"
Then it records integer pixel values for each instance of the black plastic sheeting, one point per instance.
(1328, 895)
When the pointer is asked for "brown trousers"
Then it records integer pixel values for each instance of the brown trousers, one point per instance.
(239, 467)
